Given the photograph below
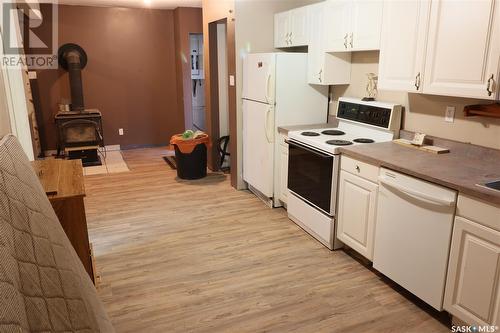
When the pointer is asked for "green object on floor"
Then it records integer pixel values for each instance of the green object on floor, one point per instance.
(188, 134)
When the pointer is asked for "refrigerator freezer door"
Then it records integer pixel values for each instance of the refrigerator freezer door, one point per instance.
(258, 146)
(259, 77)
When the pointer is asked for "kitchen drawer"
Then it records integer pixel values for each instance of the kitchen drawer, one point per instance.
(358, 168)
(479, 211)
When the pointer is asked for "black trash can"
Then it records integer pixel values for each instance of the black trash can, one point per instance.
(192, 165)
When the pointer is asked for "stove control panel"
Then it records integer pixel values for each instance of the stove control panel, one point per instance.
(372, 113)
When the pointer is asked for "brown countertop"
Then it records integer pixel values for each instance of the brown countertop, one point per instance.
(461, 169)
(332, 122)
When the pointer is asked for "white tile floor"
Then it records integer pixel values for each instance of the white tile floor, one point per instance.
(113, 163)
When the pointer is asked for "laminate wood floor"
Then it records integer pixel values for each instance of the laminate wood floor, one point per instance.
(199, 256)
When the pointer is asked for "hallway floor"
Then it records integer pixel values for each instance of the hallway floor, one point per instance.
(199, 256)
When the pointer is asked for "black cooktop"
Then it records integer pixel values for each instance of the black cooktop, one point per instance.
(333, 132)
(309, 133)
(363, 140)
(339, 142)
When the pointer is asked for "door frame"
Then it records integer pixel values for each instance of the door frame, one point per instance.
(212, 93)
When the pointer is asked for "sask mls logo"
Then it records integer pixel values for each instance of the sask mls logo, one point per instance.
(29, 33)
(474, 329)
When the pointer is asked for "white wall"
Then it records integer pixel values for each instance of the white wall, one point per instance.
(14, 95)
(254, 32)
(4, 110)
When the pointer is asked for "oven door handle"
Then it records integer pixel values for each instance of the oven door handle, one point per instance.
(316, 152)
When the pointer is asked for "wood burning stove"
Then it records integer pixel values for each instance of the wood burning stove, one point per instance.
(80, 134)
(80, 130)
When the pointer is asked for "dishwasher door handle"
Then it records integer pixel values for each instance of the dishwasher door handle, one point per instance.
(414, 193)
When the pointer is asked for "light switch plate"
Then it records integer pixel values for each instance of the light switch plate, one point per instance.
(120, 131)
(450, 114)
(231, 80)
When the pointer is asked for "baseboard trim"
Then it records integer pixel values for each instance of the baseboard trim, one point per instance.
(139, 146)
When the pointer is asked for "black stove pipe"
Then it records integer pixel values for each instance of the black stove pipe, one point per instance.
(75, 81)
(73, 58)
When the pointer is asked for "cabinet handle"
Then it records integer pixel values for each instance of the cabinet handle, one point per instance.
(350, 43)
(287, 38)
(490, 85)
(345, 41)
(290, 38)
(358, 169)
(417, 81)
(319, 75)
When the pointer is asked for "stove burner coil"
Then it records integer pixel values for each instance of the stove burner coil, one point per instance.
(309, 134)
(333, 132)
(339, 142)
(363, 140)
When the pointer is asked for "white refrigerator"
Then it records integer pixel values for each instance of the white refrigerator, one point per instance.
(275, 93)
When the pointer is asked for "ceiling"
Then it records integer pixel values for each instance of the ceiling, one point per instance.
(157, 4)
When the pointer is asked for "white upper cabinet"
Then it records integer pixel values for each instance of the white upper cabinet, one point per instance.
(281, 29)
(366, 23)
(353, 25)
(441, 47)
(337, 25)
(463, 49)
(299, 31)
(402, 49)
(324, 68)
(291, 28)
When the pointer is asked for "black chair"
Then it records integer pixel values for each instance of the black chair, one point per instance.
(222, 145)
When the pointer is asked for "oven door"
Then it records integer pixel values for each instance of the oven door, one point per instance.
(310, 175)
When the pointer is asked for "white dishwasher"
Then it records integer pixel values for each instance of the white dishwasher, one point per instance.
(413, 233)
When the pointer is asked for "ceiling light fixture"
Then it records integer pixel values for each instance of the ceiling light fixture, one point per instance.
(147, 2)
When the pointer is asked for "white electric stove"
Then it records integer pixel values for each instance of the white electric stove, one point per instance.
(313, 164)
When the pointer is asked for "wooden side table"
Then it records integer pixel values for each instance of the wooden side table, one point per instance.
(64, 185)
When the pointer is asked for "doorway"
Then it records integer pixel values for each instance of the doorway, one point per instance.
(219, 92)
(197, 81)
(223, 87)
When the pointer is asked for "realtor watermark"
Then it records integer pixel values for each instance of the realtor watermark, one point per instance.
(29, 34)
(474, 329)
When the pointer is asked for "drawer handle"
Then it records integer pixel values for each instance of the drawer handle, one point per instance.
(358, 169)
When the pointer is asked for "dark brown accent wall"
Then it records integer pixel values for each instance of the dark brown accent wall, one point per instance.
(220, 10)
(130, 76)
(186, 21)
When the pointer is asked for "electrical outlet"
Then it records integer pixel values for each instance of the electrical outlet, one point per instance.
(120, 131)
(450, 114)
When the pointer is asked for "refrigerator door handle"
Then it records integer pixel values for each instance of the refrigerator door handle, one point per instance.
(268, 136)
(268, 84)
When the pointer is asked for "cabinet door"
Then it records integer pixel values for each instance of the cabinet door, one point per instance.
(283, 173)
(366, 25)
(472, 287)
(281, 29)
(299, 28)
(316, 52)
(402, 49)
(337, 25)
(356, 213)
(463, 49)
